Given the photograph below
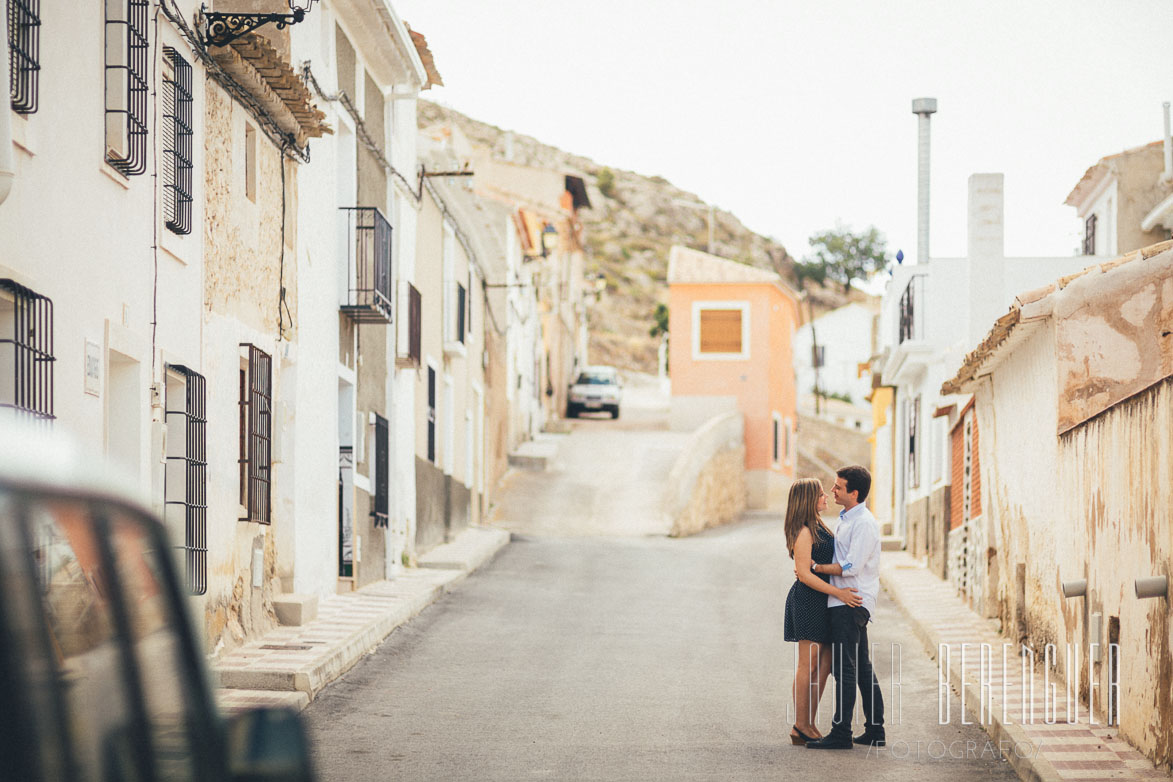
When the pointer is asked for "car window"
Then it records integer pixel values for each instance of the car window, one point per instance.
(35, 742)
(170, 701)
(595, 379)
(76, 596)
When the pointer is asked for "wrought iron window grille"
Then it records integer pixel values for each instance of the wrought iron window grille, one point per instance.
(221, 29)
(24, 54)
(368, 299)
(127, 58)
(190, 471)
(1089, 235)
(911, 315)
(380, 513)
(26, 348)
(177, 142)
(257, 436)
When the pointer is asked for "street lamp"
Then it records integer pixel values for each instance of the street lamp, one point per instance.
(221, 29)
(699, 205)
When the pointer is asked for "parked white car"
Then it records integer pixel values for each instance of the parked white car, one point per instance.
(597, 389)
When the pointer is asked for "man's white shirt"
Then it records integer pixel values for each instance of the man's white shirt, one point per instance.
(857, 551)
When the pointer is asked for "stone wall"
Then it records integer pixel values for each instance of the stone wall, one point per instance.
(706, 486)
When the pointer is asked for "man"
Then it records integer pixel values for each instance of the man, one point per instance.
(856, 564)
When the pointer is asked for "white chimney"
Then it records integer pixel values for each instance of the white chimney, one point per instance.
(923, 108)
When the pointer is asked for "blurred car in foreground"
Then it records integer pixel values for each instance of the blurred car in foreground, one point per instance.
(101, 677)
(596, 389)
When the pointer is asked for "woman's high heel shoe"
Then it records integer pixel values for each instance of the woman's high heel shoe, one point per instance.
(801, 738)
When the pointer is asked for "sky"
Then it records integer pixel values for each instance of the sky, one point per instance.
(796, 115)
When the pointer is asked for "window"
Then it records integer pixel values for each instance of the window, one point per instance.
(788, 441)
(720, 330)
(432, 414)
(913, 409)
(24, 44)
(818, 356)
(380, 512)
(368, 271)
(250, 162)
(185, 482)
(410, 335)
(127, 53)
(1089, 235)
(776, 453)
(26, 352)
(967, 456)
(256, 435)
(460, 312)
(177, 141)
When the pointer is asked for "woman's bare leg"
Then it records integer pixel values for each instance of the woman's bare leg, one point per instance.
(823, 671)
(806, 687)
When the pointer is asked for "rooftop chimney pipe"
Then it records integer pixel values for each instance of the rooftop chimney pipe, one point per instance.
(923, 108)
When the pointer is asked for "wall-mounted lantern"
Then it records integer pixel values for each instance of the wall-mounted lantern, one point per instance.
(1153, 586)
(549, 240)
(221, 29)
(1076, 588)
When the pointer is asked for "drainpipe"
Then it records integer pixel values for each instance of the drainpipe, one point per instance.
(7, 167)
(1168, 146)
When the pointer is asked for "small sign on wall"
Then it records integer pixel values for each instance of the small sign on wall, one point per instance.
(93, 365)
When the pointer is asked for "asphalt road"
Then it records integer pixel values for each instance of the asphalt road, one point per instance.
(595, 648)
(618, 659)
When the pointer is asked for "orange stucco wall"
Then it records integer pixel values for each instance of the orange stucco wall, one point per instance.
(763, 383)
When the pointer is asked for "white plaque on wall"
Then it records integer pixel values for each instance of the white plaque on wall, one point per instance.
(93, 368)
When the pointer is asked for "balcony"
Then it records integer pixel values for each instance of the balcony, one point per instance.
(911, 353)
(368, 265)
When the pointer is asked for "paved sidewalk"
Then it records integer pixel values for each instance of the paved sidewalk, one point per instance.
(290, 665)
(1061, 752)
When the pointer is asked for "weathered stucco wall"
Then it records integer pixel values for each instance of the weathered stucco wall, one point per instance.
(1116, 491)
(1114, 335)
(707, 484)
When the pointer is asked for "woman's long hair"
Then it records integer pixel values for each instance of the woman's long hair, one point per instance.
(802, 511)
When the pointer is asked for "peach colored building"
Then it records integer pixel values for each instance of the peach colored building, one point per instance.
(730, 331)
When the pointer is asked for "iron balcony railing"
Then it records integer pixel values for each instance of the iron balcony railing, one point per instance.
(368, 242)
(912, 314)
(26, 353)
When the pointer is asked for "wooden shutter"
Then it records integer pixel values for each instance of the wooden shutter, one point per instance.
(721, 331)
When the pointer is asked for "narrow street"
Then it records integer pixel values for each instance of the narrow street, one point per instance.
(613, 655)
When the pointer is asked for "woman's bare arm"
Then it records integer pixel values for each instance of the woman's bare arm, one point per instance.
(802, 568)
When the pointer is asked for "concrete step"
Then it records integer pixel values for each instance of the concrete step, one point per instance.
(891, 543)
(537, 454)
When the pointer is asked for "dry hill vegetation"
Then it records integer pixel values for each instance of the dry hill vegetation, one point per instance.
(632, 223)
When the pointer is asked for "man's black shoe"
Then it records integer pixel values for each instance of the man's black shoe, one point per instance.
(874, 738)
(832, 742)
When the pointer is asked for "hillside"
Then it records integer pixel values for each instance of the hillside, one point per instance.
(633, 222)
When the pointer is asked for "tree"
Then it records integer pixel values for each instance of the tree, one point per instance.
(843, 256)
(606, 182)
(661, 316)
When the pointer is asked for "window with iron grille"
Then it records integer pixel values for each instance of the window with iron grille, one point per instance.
(431, 415)
(410, 346)
(380, 513)
(127, 56)
(256, 435)
(369, 265)
(26, 352)
(24, 54)
(177, 141)
(185, 483)
(1089, 235)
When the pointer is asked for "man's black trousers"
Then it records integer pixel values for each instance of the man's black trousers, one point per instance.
(851, 663)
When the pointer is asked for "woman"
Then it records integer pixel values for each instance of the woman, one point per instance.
(808, 540)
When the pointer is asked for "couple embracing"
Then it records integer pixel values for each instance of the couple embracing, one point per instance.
(830, 605)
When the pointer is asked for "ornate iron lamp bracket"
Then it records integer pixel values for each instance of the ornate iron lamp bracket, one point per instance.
(221, 29)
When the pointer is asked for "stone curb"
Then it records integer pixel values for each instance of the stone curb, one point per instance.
(441, 570)
(1033, 768)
